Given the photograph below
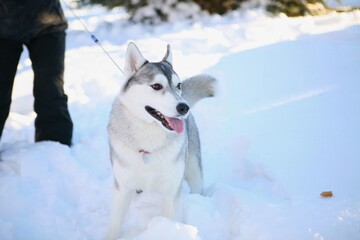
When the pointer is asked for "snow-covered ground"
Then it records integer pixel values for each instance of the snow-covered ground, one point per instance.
(284, 128)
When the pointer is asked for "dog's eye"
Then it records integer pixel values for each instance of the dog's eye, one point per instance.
(179, 86)
(157, 86)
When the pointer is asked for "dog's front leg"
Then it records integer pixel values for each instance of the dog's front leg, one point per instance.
(169, 208)
(170, 204)
(193, 174)
(120, 202)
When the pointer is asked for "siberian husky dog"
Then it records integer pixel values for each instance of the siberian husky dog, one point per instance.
(154, 141)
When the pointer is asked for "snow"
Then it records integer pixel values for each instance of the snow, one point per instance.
(284, 128)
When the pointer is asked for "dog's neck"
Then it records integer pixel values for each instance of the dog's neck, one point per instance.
(145, 155)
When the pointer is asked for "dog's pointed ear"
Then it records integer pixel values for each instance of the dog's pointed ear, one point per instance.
(168, 55)
(133, 60)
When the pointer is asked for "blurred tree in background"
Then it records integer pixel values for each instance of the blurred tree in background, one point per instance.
(155, 11)
(211, 6)
(219, 6)
(296, 8)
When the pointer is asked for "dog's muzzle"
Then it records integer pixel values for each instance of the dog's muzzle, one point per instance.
(173, 124)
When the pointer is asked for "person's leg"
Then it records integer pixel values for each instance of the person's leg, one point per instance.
(53, 121)
(10, 52)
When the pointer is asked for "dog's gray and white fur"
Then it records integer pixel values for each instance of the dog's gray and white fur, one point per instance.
(154, 141)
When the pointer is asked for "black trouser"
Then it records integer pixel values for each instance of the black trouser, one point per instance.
(47, 54)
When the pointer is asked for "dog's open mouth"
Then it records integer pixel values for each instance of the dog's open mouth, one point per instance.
(173, 124)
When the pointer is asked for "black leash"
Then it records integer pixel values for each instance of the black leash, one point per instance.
(93, 37)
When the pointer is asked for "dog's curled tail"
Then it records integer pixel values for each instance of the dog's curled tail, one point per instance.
(198, 87)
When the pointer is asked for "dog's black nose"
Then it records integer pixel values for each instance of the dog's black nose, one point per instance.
(182, 108)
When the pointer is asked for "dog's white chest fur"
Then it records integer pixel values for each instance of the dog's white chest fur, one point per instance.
(155, 173)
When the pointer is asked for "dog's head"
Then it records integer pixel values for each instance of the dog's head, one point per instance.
(152, 90)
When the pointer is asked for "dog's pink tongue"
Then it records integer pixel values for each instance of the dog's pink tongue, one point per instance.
(176, 124)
